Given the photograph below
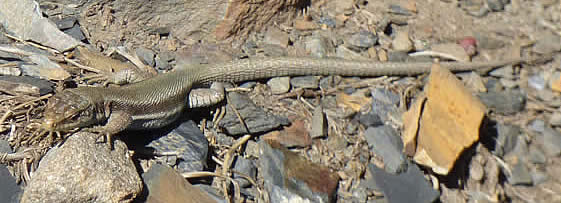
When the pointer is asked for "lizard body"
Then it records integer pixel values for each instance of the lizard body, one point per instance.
(160, 100)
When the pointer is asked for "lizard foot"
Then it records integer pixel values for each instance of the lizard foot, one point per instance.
(103, 136)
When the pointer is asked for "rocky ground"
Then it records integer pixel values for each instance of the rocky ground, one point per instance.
(478, 137)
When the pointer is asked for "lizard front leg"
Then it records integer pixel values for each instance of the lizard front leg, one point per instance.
(117, 122)
(203, 97)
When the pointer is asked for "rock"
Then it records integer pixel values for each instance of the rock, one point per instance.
(496, 5)
(370, 119)
(547, 43)
(361, 40)
(401, 42)
(385, 143)
(277, 37)
(537, 82)
(319, 127)
(410, 186)
(309, 82)
(44, 68)
(304, 24)
(296, 135)
(290, 178)
(507, 83)
(473, 81)
(327, 21)
(10, 191)
(44, 86)
(317, 46)
(507, 139)
(163, 59)
(83, 170)
(166, 185)
(146, 56)
(453, 49)
(212, 192)
(255, 118)
(246, 167)
(555, 119)
(551, 141)
(346, 53)
(538, 176)
(36, 28)
(190, 145)
(504, 72)
(65, 23)
(76, 33)
(504, 102)
(520, 175)
(279, 85)
(384, 104)
(397, 56)
(537, 125)
(536, 155)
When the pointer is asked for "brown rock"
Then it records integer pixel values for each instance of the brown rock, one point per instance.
(450, 121)
(165, 185)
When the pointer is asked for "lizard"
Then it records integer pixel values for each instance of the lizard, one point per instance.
(160, 100)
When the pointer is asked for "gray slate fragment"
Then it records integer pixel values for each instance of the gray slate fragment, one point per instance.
(65, 23)
(279, 85)
(23, 19)
(537, 82)
(318, 123)
(507, 138)
(188, 142)
(244, 166)
(76, 33)
(520, 175)
(146, 56)
(537, 125)
(42, 64)
(256, 119)
(551, 141)
(370, 119)
(310, 82)
(10, 191)
(385, 142)
(536, 155)
(317, 46)
(361, 40)
(44, 86)
(410, 186)
(384, 104)
(84, 170)
(504, 102)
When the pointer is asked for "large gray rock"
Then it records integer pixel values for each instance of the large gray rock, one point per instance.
(84, 170)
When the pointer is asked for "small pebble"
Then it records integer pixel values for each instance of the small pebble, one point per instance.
(279, 85)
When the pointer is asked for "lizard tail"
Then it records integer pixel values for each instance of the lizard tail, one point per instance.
(253, 69)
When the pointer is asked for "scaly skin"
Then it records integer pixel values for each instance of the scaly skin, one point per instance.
(160, 100)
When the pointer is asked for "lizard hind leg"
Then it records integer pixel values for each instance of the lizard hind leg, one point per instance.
(204, 97)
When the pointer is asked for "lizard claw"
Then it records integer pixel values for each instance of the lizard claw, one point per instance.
(103, 136)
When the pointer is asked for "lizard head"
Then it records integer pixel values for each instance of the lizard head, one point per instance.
(68, 110)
